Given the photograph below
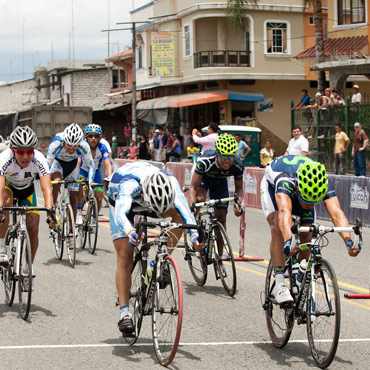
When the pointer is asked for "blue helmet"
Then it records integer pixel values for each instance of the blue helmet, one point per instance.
(93, 128)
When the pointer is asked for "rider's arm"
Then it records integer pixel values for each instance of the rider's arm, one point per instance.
(84, 149)
(47, 190)
(2, 188)
(195, 181)
(54, 147)
(284, 204)
(108, 166)
(122, 207)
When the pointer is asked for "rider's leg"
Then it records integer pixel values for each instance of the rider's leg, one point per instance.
(221, 215)
(99, 199)
(73, 200)
(33, 221)
(8, 202)
(56, 176)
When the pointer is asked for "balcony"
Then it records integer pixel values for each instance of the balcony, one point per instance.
(222, 58)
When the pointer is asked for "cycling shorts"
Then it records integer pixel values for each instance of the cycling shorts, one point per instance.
(269, 205)
(26, 197)
(84, 175)
(69, 171)
(217, 188)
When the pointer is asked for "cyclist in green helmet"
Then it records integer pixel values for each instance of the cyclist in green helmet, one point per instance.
(293, 185)
(211, 172)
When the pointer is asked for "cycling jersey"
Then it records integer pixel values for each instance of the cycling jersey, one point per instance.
(207, 166)
(57, 151)
(280, 177)
(18, 177)
(125, 189)
(101, 153)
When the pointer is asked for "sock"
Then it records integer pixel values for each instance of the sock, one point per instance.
(279, 278)
(2, 242)
(124, 311)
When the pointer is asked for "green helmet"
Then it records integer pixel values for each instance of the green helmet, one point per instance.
(312, 182)
(226, 144)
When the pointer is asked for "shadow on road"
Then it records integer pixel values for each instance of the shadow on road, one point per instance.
(216, 290)
(64, 262)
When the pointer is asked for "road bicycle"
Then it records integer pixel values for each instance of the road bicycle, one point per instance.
(88, 230)
(64, 233)
(217, 250)
(316, 302)
(160, 294)
(18, 271)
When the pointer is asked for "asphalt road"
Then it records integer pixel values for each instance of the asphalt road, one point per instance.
(73, 319)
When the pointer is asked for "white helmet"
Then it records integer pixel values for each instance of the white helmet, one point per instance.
(23, 137)
(73, 134)
(159, 193)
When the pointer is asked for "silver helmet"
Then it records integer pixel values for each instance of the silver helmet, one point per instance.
(159, 192)
(23, 137)
(73, 134)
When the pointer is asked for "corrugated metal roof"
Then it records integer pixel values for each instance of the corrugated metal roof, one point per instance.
(342, 46)
(120, 56)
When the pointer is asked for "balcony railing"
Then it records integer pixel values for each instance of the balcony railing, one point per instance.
(221, 58)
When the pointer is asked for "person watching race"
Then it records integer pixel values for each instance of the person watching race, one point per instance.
(293, 185)
(62, 157)
(140, 183)
(18, 166)
(99, 153)
(210, 174)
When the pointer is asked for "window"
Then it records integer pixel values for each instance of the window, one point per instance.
(311, 21)
(118, 78)
(140, 57)
(276, 37)
(187, 40)
(351, 11)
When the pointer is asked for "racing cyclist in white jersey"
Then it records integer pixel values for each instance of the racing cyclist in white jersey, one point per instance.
(18, 166)
(100, 154)
(62, 157)
(147, 185)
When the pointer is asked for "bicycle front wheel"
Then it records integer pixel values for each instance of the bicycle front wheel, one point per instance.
(92, 224)
(323, 314)
(167, 311)
(197, 261)
(58, 234)
(8, 272)
(279, 320)
(135, 304)
(224, 260)
(25, 275)
(70, 235)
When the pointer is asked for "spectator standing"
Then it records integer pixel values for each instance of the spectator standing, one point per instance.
(151, 145)
(187, 138)
(175, 149)
(243, 148)
(162, 143)
(360, 141)
(156, 153)
(209, 141)
(132, 151)
(298, 144)
(305, 100)
(336, 99)
(356, 97)
(144, 148)
(266, 154)
(341, 145)
(127, 131)
(114, 144)
(323, 101)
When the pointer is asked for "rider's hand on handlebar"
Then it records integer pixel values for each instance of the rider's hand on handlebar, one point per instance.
(132, 238)
(197, 246)
(352, 250)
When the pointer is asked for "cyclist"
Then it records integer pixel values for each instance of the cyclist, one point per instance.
(144, 184)
(99, 153)
(211, 172)
(292, 185)
(62, 157)
(18, 166)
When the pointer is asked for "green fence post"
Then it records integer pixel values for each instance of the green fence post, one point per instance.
(349, 151)
(291, 115)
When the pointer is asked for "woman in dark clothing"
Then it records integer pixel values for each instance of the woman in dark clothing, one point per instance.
(144, 148)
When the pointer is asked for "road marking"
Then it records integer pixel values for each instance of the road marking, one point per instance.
(107, 345)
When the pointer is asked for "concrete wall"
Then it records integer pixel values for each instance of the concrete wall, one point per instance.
(17, 95)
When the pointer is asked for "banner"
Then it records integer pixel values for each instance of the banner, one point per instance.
(182, 172)
(252, 182)
(163, 54)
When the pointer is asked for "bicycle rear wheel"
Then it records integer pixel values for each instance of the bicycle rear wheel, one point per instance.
(279, 320)
(58, 235)
(8, 272)
(167, 311)
(70, 235)
(136, 301)
(92, 224)
(224, 262)
(323, 314)
(25, 275)
(197, 261)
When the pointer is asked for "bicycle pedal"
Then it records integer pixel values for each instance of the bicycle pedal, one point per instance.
(286, 305)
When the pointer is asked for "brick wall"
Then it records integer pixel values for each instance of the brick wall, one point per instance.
(17, 95)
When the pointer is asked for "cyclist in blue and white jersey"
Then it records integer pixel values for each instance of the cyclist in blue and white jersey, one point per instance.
(18, 166)
(292, 185)
(211, 172)
(62, 157)
(143, 184)
(100, 154)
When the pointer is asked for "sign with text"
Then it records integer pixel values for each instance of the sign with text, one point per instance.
(163, 55)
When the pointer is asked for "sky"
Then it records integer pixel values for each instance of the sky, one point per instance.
(34, 32)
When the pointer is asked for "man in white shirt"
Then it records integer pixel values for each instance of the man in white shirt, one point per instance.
(356, 97)
(298, 144)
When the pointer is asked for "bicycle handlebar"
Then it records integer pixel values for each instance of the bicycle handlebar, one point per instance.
(213, 202)
(24, 209)
(166, 224)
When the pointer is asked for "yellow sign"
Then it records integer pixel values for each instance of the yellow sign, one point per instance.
(163, 55)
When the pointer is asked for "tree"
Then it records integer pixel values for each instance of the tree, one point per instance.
(236, 11)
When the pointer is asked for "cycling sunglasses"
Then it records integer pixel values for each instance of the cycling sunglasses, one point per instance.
(226, 157)
(96, 136)
(24, 151)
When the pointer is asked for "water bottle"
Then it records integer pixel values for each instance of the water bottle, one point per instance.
(301, 272)
(149, 270)
(295, 268)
